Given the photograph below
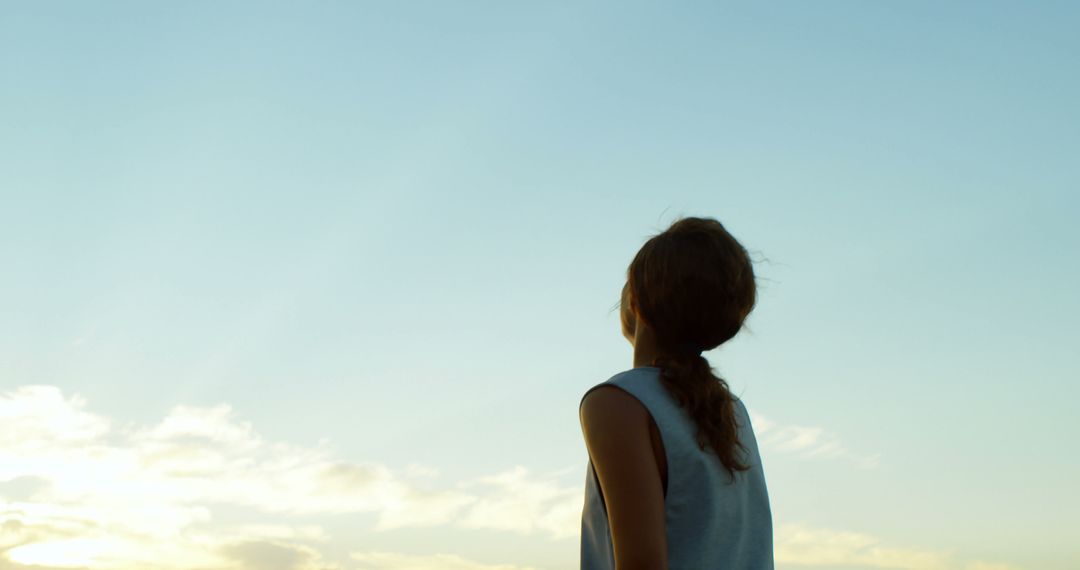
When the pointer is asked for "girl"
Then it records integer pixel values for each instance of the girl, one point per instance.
(674, 478)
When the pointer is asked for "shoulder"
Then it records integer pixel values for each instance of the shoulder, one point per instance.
(614, 397)
(616, 427)
(615, 411)
(609, 403)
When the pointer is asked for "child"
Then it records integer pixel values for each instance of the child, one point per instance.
(674, 477)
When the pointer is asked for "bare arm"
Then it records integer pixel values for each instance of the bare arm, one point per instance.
(616, 430)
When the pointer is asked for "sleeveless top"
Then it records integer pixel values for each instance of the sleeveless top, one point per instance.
(712, 522)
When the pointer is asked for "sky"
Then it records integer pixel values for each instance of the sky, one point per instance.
(320, 286)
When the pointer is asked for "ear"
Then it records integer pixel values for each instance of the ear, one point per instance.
(627, 315)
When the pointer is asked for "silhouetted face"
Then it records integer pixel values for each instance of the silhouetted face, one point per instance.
(626, 315)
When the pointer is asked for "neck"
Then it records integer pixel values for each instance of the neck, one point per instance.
(644, 347)
(643, 358)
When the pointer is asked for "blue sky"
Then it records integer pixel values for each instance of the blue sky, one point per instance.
(385, 239)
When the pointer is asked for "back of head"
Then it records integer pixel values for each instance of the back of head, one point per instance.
(693, 285)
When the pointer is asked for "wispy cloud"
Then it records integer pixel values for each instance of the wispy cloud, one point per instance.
(77, 491)
(808, 442)
(796, 544)
(396, 561)
(800, 545)
(517, 501)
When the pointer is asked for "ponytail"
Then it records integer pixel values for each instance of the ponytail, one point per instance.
(706, 397)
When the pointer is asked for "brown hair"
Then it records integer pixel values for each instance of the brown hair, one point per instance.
(694, 285)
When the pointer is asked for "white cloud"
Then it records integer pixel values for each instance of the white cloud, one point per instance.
(796, 544)
(515, 501)
(807, 442)
(77, 492)
(799, 545)
(273, 555)
(395, 561)
(40, 415)
(979, 565)
(421, 471)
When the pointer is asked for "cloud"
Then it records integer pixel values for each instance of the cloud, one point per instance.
(800, 545)
(394, 561)
(796, 544)
(807, 442)
(979, 565)
(421, 471)
(515, 501)
(78, 492)
(270, 555)
(39, 415)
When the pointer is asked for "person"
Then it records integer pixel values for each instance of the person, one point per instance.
(674, 479)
